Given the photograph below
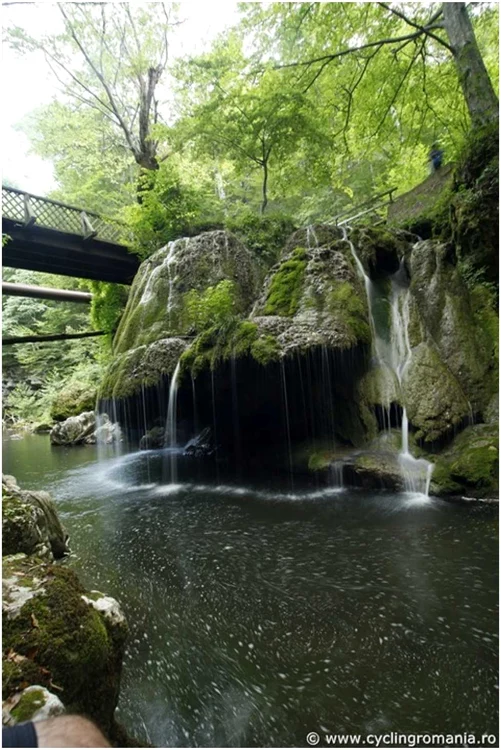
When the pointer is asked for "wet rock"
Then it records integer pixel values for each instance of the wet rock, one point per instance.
(148, 341)
(30, 523)
(314, 297)
(34, 703)
(60, 637)
(469, 466)
(445, 318)
(106, 433)
(434, 399)
(201, 445)
(376, 469)
(154, 438)
(381, 250)
(75, 430)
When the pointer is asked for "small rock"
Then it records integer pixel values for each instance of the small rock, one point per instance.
(34, 703)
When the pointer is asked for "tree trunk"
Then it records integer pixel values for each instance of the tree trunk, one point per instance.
(264, 202)
(477, 88)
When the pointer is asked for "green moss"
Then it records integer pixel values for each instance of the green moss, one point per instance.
(284, 293)
(65, 642)
(346, 305)
(28, 705)
(319, 461)
(470, 464)
(72, 401)
(265, 349)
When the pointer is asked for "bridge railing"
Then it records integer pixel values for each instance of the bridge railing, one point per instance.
(379, 201)
(28, 209)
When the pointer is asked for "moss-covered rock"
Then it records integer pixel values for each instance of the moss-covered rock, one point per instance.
(72, 401)
(314, 297)
(34, 703)
(435, 402)
(381, 250)
(152, 333)
(448, 319)
(141, 367)
(470, 465)
(156, 306)
(30, 523)
(474, 204)
(58, 639)
(378, 469)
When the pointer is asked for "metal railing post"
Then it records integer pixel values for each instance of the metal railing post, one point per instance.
(88, 230)
(29, 216)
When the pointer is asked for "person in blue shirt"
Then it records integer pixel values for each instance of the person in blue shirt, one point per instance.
(436, 157)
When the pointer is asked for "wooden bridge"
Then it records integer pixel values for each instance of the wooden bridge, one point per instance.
(46, 235)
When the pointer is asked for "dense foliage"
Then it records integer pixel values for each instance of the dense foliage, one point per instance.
(299, 112)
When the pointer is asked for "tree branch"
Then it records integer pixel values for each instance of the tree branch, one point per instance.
(425, 29)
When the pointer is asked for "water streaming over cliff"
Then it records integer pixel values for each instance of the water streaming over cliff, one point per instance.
(392, 355)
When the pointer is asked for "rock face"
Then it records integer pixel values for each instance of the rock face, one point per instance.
(63, 645)
(30, 523)
(147, 343)
(303, 357)
(446, 321)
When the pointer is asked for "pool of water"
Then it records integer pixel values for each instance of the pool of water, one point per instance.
(259, 613)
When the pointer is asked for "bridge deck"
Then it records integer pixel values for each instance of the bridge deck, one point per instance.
(49, 236)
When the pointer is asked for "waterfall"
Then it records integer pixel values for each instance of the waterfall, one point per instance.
(394, 358)
(171, 432)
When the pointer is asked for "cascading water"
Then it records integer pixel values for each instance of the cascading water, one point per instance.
(393, 357)
(171, 431)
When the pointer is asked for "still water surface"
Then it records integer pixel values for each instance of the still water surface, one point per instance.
(260, 615)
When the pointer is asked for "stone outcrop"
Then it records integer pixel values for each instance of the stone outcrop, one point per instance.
(86, 429)
(149, 342)
(470, 464)
(305, 341)
(447, 320)
(30, 523)
(75, 430)
(63, 645)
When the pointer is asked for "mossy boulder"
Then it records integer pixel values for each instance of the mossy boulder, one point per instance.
(376, 470)
(448, 318)
(156, 306)
(72, 401)
(157, 326)
(470, 465)
(30, 523)
(435, 401)
(141, 367)
(314, 297)
(54, 637)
